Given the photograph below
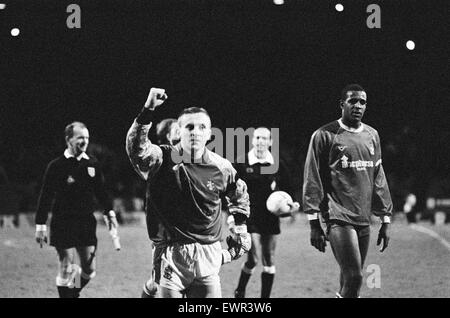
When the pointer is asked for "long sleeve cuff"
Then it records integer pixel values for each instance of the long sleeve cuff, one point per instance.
(109, 212)
(145, 116)
(385, 219)
(41, 227)
(314, 216)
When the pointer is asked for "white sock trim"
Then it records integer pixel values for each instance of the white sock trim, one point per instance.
(88, 276)
(247, 270)
(269, 269)
(72, 271)
(314, 216)
(62, 282)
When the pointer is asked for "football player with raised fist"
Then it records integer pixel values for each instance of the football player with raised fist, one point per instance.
(186, 185)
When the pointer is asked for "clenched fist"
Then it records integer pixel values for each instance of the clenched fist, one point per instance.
(155, 98)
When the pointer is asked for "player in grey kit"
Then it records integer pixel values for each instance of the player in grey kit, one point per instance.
(186, 185)
(344, 181)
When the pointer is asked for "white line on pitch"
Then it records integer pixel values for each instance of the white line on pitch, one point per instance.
(431, 233)
(11, 243)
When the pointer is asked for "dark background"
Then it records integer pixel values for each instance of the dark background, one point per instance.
(249, 63)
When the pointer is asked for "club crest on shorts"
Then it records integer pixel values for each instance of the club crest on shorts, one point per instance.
(249, 170)
(91, 171)
(168, 271)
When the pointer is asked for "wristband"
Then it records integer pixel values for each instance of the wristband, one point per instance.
(239, 229)
(41, 227)
(385, 219)
(314, 216)
(145, 116)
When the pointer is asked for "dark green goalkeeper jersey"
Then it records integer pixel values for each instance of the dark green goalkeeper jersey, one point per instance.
(184, 200)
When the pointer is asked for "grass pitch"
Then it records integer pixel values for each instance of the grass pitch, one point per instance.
(414, 265)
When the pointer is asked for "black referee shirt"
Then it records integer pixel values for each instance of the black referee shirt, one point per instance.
(71, 187)
(260, 186)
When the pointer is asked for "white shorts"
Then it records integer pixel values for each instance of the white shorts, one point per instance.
(190, 265)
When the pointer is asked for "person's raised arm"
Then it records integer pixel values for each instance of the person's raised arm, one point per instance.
(145, 157)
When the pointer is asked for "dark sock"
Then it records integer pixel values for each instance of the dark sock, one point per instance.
(84, 282)
(266, 284)
(76, 290)
(243, 281)
(64, 292)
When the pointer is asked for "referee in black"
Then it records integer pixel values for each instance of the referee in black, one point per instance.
(263, 226)
(71, 184)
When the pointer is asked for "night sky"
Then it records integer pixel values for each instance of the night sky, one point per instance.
(249, 63)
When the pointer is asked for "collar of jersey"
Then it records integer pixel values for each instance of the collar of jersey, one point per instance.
(68, 155)
(205, 156)
(252, 159)
(350, 129)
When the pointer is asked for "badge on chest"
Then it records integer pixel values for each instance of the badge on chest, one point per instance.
(371, 148)
(211, 186)
(70, 180)
(91, 171)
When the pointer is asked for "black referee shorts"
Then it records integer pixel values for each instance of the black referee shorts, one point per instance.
(68, 232)
(263, 222)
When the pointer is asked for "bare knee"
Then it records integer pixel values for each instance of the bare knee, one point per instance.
(65, 266)
(252, 260)
(249, 266)
(268, 258)
(170, 293)
(65, 269)
(88, 265)
(88, 269)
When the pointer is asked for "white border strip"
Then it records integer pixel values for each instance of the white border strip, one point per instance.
(431, 233)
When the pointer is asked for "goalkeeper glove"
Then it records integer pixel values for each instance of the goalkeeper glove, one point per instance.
(239, 243)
